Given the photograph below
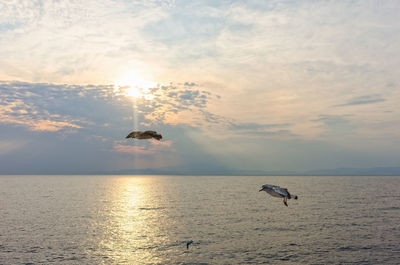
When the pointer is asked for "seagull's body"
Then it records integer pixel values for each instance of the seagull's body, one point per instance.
(278, 192)
(188, 244)
(145, 135)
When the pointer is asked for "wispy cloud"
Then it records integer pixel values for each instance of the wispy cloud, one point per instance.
(61, 41)
(8, 146)
(362, 100)
(256, 126)
(333, 119)
(259, 129)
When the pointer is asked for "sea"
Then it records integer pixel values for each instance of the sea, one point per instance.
(121, 219)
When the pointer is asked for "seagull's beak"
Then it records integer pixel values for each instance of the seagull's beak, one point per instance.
(261, 190)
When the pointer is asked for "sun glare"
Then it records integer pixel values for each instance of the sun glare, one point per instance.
(133, 92)
(135, 87)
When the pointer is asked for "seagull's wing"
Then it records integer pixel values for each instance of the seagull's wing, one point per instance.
(281, 191)
(129, 135)
(133, 134)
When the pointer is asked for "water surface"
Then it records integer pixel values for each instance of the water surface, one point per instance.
(148, 219)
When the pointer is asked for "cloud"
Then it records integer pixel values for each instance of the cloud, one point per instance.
(48, 107)
(198, 138)
(150, 148)
(51, 107)
(256, 126)
(190, 84)
(62, 42)
(362, 100)
(8, 146)
(175, 99)
(259, 129)
(134, 150)
(339, 129)
(332, 120)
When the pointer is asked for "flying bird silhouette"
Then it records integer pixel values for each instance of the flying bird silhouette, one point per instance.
(188, 244)
(279, 192)
(145, 135)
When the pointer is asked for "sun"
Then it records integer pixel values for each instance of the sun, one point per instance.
(134, 87)
(133, 92)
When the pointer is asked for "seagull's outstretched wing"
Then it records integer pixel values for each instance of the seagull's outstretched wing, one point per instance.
(133, 134)
(145, 135)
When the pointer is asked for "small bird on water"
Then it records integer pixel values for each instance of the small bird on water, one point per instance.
(279, 192)
(145, 135)
(188, 244)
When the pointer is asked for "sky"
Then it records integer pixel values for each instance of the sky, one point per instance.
(231, 85)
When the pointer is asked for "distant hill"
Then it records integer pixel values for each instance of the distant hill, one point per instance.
(375, 171)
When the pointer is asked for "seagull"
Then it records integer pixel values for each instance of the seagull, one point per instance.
(145, 135)
(279, 192)
(188, 243)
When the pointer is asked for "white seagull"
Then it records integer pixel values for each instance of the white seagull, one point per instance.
(279, 192)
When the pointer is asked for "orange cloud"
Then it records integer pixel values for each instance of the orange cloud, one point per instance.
(40, 125)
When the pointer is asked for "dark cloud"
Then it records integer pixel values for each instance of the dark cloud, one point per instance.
(190, 84)
(363, 100)
(62, 106)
